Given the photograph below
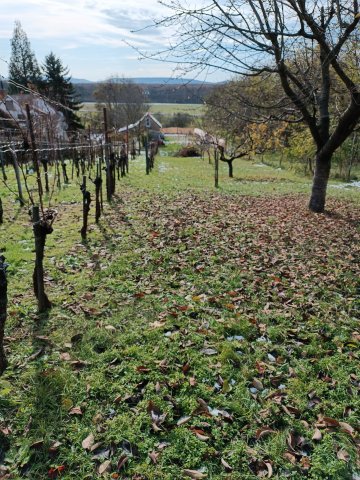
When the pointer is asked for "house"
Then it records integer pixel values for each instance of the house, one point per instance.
(11, 113)
(48, 123)
(146, 123)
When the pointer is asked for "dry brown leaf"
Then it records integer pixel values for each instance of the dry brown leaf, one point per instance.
(227, 467)
(88, 442)
(257, 384)
(121, 462)
(194, 474)
(104, 467)
(75, 411)
(270, 470)
(37, 444)
(154, 456)
(345, 427)
(289, 456)
(317, 435)
(262, 432)
(343, 455)
(110, 328)
(54, 447)
(182, 420)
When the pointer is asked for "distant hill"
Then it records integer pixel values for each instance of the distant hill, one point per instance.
(150, 81)
(165, 81)
(157, 89)
(80, 80)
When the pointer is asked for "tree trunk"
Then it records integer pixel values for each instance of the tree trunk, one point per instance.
(3, 308)
(320, 181)
(230, 164)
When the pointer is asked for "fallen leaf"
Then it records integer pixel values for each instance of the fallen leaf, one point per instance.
(54, 447)
(182, 420)
(142, 369)
(194, 474)
(209, 351)
(75, 411)
(343, 455)
(345, 427)
(289, 456)
(104, 467)
(88, 442)
(65, 357)
(257, 384)
(317, 435)
(110, 328)
(262, 432)
(37, 444)
(227, 467)
(154, 456)
(121, 462)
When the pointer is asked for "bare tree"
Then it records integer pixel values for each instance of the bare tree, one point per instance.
(303, 44)
(124, 100)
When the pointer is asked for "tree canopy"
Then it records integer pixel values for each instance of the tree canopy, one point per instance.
(304, 45)
(125, 101)
(58, 87)
(23, 68)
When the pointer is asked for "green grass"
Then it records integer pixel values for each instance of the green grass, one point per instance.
(237, 296)
(173, 108)
(163, 108)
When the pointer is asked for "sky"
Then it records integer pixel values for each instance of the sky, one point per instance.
(91, 37)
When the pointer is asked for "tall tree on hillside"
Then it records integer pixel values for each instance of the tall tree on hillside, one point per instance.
(58, 87)
(23, 68)
(303, 43)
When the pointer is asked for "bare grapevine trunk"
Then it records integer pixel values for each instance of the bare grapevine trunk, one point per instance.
(3, 312)
(41, 229)
(18, 178)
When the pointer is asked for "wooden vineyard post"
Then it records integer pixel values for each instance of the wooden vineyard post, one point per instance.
(1, 212)
(41, 229)
(86, 208)
(34, 154)
(109, 187)
(98, 183)
(147, 159)
(127, 149)
(2, 163)
(133, 150)
(216, 158)
(3, 312)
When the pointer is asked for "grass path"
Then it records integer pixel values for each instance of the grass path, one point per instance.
(197, 334)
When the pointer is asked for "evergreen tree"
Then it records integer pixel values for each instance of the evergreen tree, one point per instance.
(58, 87)
(23, 67)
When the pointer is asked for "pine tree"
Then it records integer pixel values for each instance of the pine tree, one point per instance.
(23, 68)
(58, 87)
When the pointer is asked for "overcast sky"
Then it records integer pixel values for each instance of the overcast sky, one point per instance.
(88, 35)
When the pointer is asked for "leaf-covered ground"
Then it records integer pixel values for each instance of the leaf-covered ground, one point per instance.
(195, 335)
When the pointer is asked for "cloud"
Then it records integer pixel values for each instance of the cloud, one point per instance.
(81, 21)
(92, 37)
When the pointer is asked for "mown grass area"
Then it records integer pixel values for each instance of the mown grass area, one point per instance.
(195, 109)
(163, 108)
(197, 333)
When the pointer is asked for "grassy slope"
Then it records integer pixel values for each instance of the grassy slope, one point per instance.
(239, 297)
